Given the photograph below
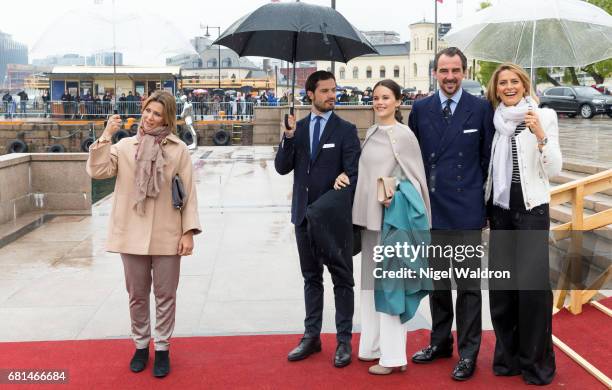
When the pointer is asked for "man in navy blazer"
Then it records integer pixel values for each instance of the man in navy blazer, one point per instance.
(317, 150)
(455, 131)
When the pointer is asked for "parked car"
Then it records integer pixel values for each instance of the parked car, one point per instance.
(577, 100)
(473, 87)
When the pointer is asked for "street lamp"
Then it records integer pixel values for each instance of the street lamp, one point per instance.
(207, 35)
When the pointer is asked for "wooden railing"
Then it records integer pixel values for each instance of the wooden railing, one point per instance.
(575, 192)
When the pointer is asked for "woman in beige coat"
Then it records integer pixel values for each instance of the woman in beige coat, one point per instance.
(149, 233)
(390, 149)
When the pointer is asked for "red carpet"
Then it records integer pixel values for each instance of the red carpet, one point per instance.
(588, 334)
(258, 362)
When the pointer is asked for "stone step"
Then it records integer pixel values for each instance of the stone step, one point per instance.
(580, 167)
(598, 202)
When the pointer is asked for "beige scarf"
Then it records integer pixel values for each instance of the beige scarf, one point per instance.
(150, 162)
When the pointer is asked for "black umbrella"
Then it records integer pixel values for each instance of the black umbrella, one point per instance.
(296, 32)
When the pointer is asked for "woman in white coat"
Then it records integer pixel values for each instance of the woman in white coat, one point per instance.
(390, 149)
(524, 155)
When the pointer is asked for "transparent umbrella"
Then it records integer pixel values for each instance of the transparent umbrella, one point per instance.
(533, 34)
(142, 37)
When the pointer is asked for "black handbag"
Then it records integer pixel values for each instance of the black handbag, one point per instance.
(178, 192)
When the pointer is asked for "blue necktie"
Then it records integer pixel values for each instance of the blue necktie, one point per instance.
(315, 136)
(447, 113)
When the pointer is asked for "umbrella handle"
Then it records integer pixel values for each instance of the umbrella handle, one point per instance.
(287, 119)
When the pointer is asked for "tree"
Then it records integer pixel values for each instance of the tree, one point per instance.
(599, 70)
(570, 77)
(603, 4)
(486, 71)
(542, 75)
(602, 69)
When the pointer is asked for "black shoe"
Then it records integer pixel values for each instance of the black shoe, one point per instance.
(464, 369)
(305, 348)
(431, 353)
(343, 355)
(161, 367)
(139, 360)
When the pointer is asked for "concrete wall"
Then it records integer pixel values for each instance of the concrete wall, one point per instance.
(39, 136)
(268, 130)
(53, 182)
(265, 130)
(206, 132)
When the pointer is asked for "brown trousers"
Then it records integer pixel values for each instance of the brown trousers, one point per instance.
(164, 272)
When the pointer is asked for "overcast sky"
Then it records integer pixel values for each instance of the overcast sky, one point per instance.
(29, 19)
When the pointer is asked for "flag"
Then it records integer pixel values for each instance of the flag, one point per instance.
(440, 1)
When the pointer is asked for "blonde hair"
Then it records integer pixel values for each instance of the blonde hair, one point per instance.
(167, 100)
(522, 75)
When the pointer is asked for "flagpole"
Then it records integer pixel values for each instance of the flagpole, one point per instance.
(435, 85)
(114, 99)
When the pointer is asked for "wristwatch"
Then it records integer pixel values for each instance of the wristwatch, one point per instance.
(543, 141)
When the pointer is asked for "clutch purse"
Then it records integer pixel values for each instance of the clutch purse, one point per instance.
(178, 192)
(385, 188)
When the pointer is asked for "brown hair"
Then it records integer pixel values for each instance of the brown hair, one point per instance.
(167, 100)
(397, 92)
(522, 75)
(450, 52)
(313, 80)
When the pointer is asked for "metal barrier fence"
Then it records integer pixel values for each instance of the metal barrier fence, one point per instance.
(233, 110)
(241, 111)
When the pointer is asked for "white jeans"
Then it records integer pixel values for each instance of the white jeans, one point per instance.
(382, 335)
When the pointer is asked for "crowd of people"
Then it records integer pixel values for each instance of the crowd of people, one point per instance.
(9, 104)
(232, 104)
(346, 96)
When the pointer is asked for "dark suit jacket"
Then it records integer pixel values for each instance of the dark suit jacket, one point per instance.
(311, 179)
(456, 158)
(330, 226)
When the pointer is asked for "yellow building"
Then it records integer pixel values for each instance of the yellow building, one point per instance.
(363, 72)
(422, 55)
(408, 63)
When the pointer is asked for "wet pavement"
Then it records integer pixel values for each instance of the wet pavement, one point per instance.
(57, 282)
(587, 141)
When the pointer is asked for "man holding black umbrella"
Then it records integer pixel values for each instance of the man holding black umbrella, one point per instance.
(317, 150)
